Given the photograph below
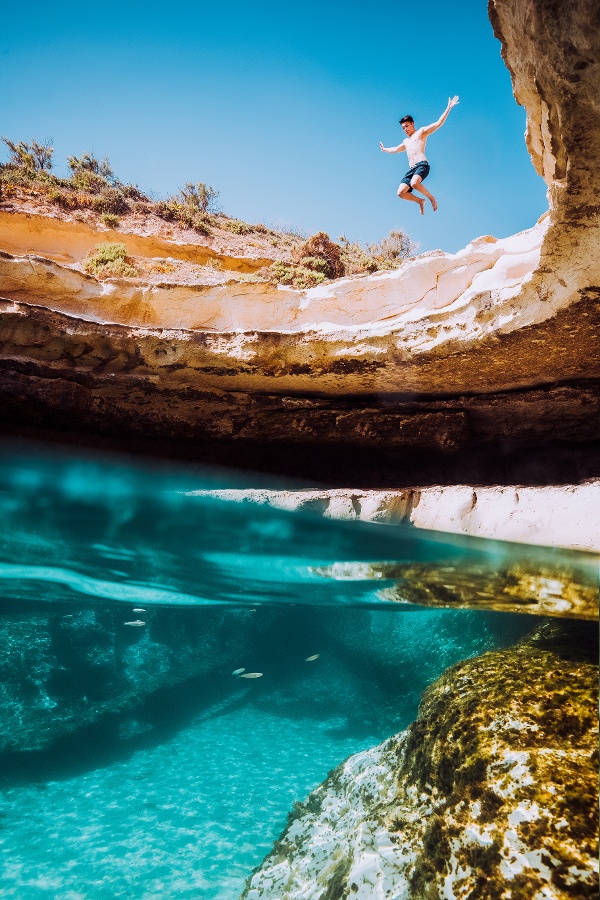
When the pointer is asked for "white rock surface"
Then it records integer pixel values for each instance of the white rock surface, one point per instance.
(494, 270)
(557, 516)
(344, 837)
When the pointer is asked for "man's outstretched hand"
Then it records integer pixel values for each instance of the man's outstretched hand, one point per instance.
(452, 101)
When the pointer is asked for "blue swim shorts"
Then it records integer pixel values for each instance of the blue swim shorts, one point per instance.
(421, 168)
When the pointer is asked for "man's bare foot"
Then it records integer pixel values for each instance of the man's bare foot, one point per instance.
(433, 202)
(422, 205)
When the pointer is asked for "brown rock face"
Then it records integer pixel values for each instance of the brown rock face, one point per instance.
(552, 50)
(491, 352)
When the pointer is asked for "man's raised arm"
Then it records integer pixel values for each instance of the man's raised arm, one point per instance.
(397, 149)
(429, 129)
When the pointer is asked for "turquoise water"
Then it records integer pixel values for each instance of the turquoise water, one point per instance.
(133, 763)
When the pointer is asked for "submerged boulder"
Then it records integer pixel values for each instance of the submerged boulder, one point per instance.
(491, 793)
(70, 668)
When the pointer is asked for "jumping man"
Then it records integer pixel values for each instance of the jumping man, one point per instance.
(414, 144)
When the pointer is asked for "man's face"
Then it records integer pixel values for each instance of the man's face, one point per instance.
(408, 128)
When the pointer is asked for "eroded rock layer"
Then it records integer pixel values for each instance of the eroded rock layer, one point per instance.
(566, 516)
(491, 793)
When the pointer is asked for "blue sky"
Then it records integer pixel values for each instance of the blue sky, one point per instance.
(280, 107)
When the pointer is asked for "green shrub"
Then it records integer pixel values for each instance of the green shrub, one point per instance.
(64, 199)
(389, 253)
(109, 261)
(316, 264)
(47, 179)
(199, 197)
(294, 275)
(165, 209)
(92, 176)
(393, 249)
(33, 157)
(110, 220)
(238, 227)
(173, 211)
(200, 227)
(132, 192)
(111, 200)
(88, 163)
(89, 182)
(368, 263)
(191, 207)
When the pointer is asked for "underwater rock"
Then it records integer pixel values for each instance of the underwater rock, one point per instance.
(491, 793)
(63, 672)
(534, 586)
(556, 516)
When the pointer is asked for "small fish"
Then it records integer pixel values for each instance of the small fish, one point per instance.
(139, 609)
(252, 675)
(238, 671)
(312, 658)
(138, 623)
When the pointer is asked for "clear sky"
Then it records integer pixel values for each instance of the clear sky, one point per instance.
(280, 107)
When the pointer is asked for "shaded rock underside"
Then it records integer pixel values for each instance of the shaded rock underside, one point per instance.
(107, 380)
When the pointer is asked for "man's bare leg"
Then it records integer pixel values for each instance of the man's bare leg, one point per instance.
(405, 194)
(417, 185)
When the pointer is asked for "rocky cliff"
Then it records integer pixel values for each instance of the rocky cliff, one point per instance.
(557, 516)
(451, 364)
(496, 346)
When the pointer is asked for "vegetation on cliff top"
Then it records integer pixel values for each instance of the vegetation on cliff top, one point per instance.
(92, 187)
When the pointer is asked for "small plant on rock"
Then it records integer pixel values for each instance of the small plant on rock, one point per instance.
(200, 197)
(132, 192)
(64, 199)
(111, 200)
(110, 220)
(97, 186)
(88, 164)
(393, 249)
(237, 227)
(109, 261)
(190, 207)
(389, 253)
(294, 275)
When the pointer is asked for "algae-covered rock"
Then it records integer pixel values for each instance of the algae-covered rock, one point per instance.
(491, 793)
